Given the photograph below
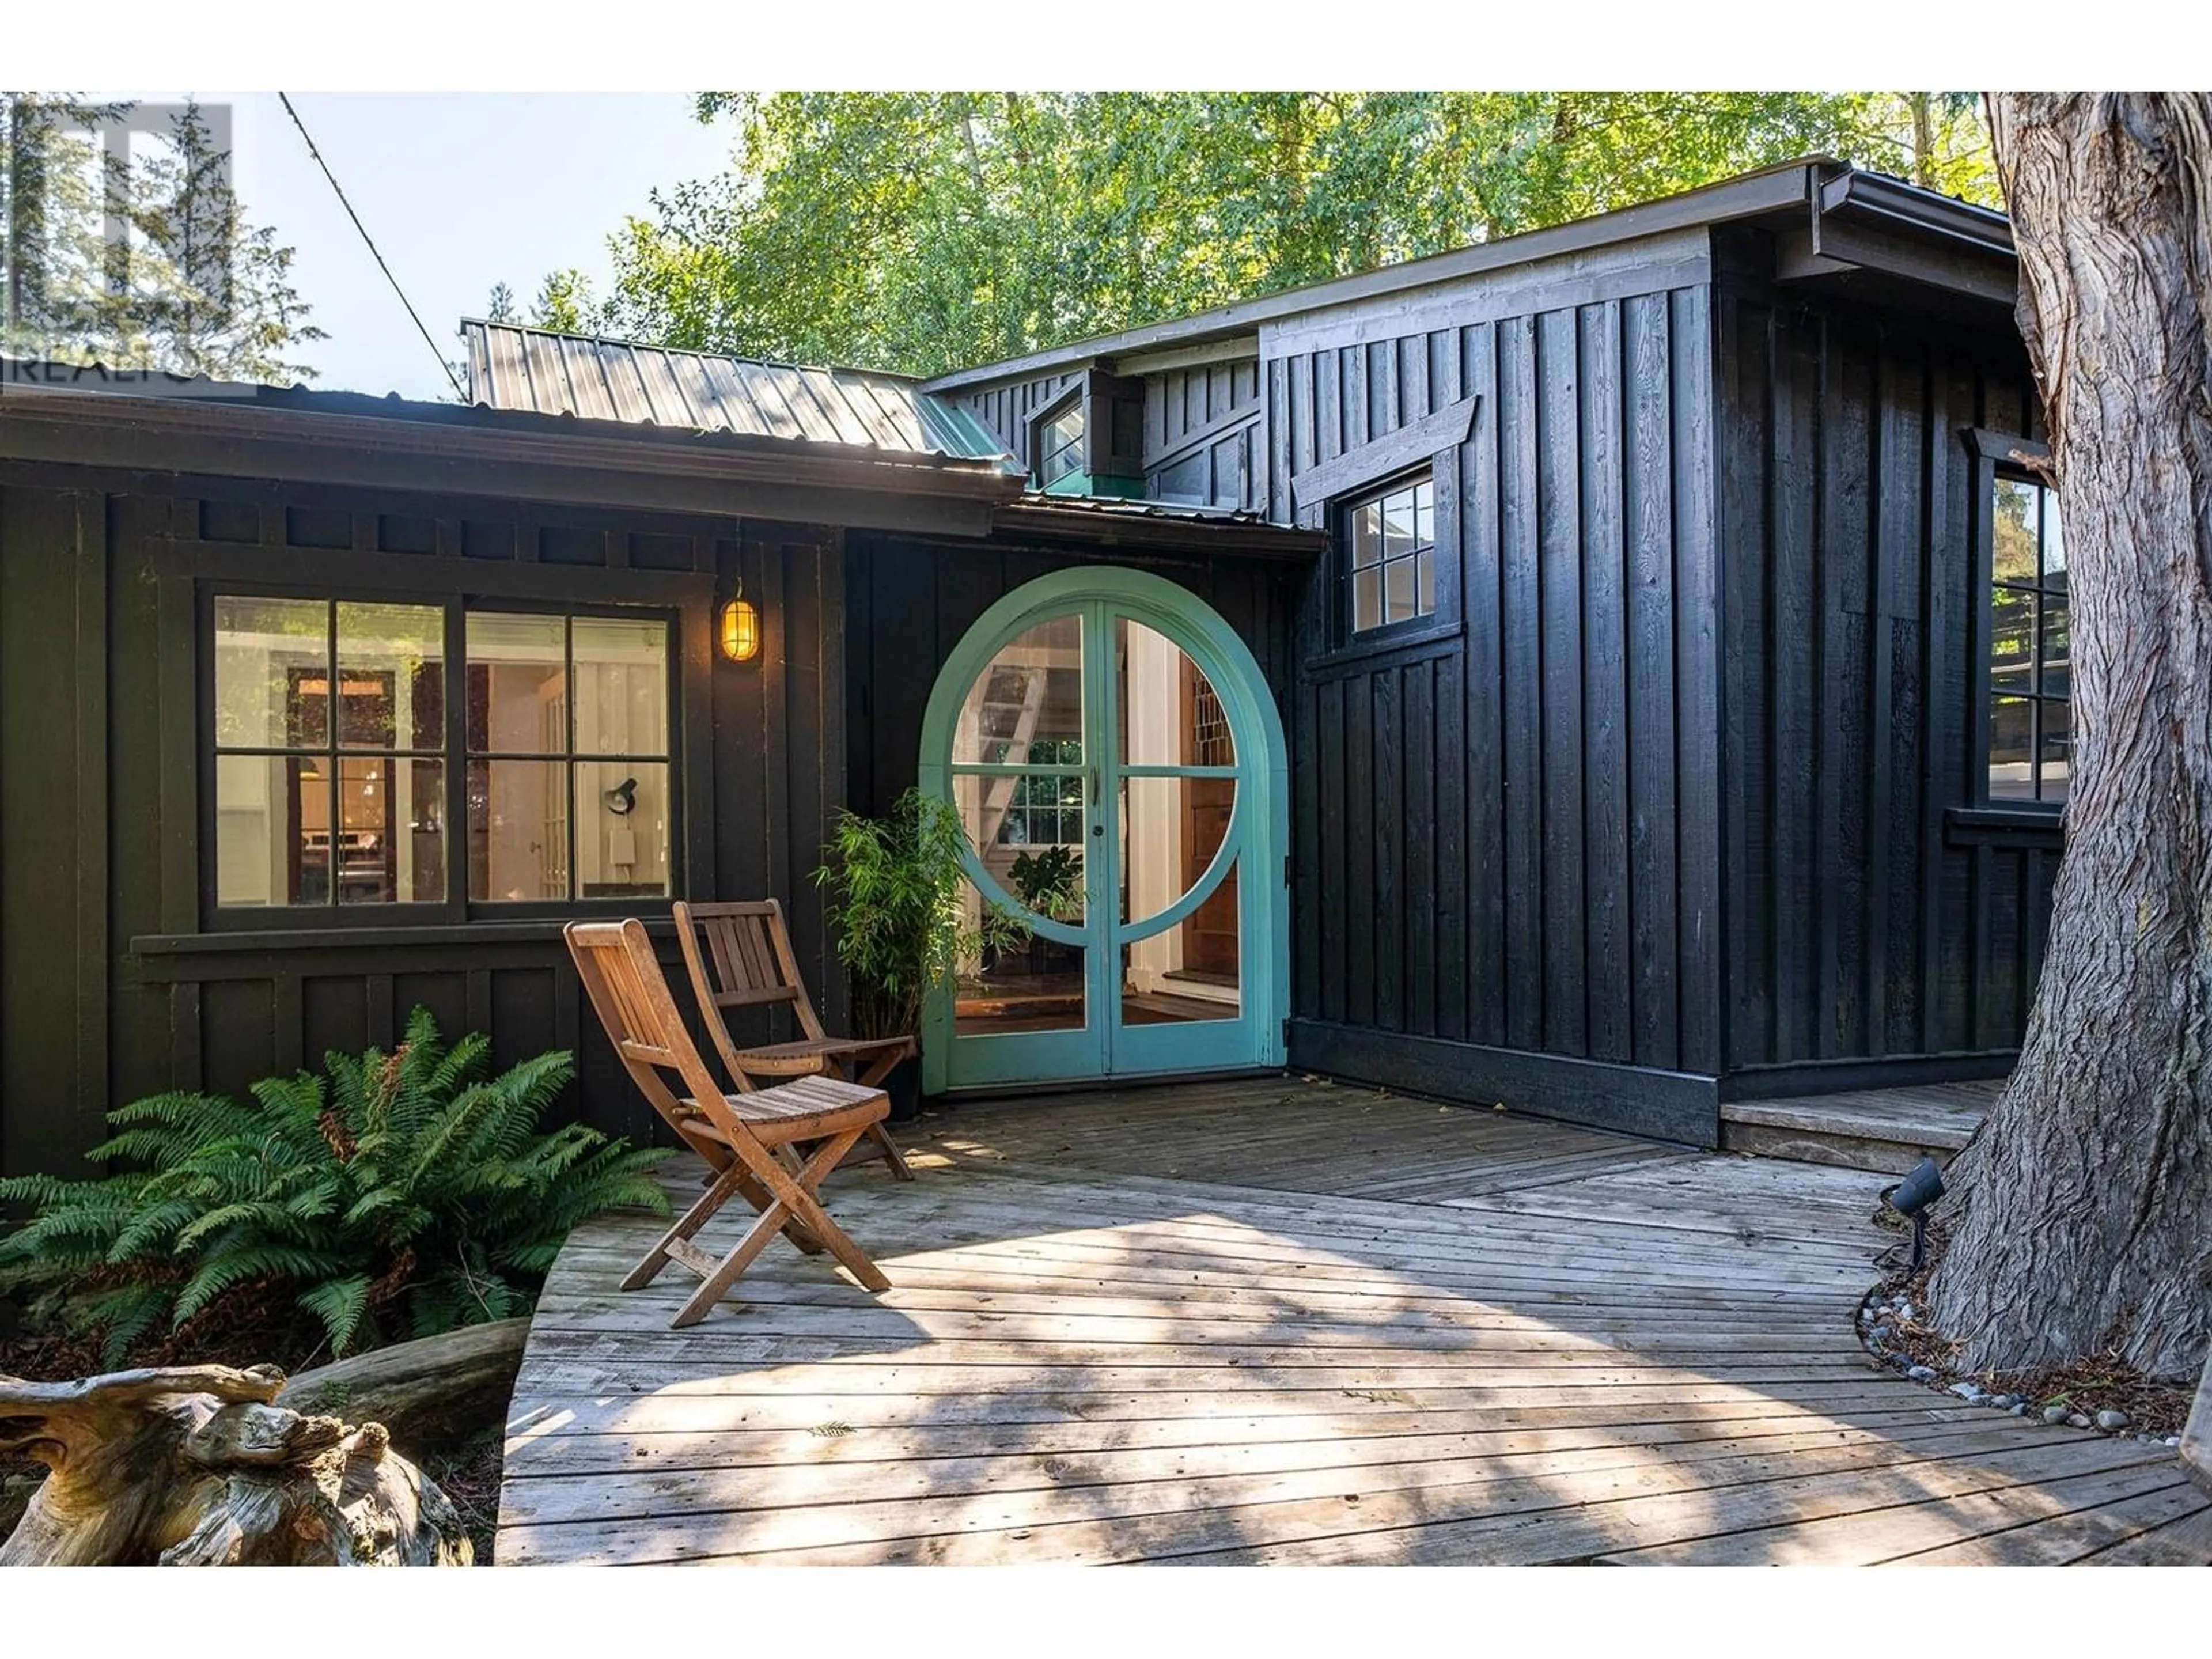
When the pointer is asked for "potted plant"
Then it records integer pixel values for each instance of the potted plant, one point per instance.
(1050, 883)
(901, 921)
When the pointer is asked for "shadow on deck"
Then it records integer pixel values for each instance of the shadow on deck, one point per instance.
(1282, 1321)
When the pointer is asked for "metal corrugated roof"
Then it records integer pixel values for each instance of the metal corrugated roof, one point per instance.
(513, 368)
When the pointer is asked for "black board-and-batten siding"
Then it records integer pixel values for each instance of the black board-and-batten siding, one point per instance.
(1869, 937)
(1672, 799)
(117, 982)
(1506, 861)
(1505, 888)
(1666, 805)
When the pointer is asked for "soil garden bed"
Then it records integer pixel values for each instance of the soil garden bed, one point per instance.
(2095, 1392)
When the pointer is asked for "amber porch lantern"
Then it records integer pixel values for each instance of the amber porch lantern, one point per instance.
(740, 627)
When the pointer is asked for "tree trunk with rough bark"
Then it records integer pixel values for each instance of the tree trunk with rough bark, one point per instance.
(2087, 1215)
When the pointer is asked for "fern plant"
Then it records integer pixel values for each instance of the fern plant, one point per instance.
(405, 1187)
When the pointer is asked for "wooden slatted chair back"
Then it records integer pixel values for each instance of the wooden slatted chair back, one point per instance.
(631, 997)
(739, 956)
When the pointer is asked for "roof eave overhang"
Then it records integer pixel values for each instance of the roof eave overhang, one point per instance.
(713, 473)
(1875, 199)
(1035, 519)
(1863, 227)
(1755, 196)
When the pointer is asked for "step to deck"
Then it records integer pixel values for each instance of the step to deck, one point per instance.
(1885, 1131)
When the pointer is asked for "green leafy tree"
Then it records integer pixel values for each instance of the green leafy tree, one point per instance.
(403, 1185)
(928, 231)
(190, 287)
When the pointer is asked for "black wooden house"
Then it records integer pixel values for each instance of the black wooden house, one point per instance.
(1611, 671)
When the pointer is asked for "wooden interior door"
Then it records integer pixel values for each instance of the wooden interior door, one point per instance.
(1209, 936)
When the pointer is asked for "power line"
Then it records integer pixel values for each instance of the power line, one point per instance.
(453, 379)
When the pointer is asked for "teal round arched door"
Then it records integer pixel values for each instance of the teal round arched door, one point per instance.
(1115, 758)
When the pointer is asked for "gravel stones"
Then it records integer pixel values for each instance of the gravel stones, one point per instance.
(2112, 1421)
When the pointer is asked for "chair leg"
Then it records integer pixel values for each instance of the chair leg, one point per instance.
(800, 1200)
(712, 1287)
(892, 1156)
(871, 1076)
(791, 1204)
(729, 1181)
(758, 1195)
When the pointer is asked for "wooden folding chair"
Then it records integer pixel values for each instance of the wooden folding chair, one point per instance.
(739, 956)
(739, 1135)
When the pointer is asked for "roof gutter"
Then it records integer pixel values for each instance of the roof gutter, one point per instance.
(1920, 212)
(1885, 228)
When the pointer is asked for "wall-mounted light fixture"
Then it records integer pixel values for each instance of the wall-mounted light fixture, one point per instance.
(740, 630)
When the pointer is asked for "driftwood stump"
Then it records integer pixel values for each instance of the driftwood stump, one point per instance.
(192, 1466)
(434, 1392)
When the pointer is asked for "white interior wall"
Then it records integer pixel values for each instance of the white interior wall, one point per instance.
(1153, 827)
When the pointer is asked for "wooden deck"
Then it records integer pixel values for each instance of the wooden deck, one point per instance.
(1888, 1130)
(1283, 1321)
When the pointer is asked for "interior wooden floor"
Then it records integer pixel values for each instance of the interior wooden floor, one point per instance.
(1276, 1320)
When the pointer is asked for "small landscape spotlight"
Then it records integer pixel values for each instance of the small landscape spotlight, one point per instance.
(1913, 1196)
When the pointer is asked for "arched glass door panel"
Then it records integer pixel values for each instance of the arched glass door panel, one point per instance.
(1115, 761)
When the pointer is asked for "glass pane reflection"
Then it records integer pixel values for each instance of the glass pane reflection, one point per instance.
(1171, 715)
(1026, 707)
(1025, 984)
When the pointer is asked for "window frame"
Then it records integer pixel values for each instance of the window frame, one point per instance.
(190, 585)
(1997, 455)
(569, 613)
(211, 753)
(1343, 642)
(1343, 512)
(1076, 399)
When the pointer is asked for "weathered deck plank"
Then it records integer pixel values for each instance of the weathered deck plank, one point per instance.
(1276, 1320)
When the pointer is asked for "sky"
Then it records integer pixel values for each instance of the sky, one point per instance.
(460, 191)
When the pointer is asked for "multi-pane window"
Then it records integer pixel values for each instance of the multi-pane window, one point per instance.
(1060, 446)
(1391, 540)
(1045, 809)
(329, 790)
(335, 731)
(2030, 716)
(568, 758)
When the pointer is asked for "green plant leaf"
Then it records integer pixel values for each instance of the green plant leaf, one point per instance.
(417, 1170)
